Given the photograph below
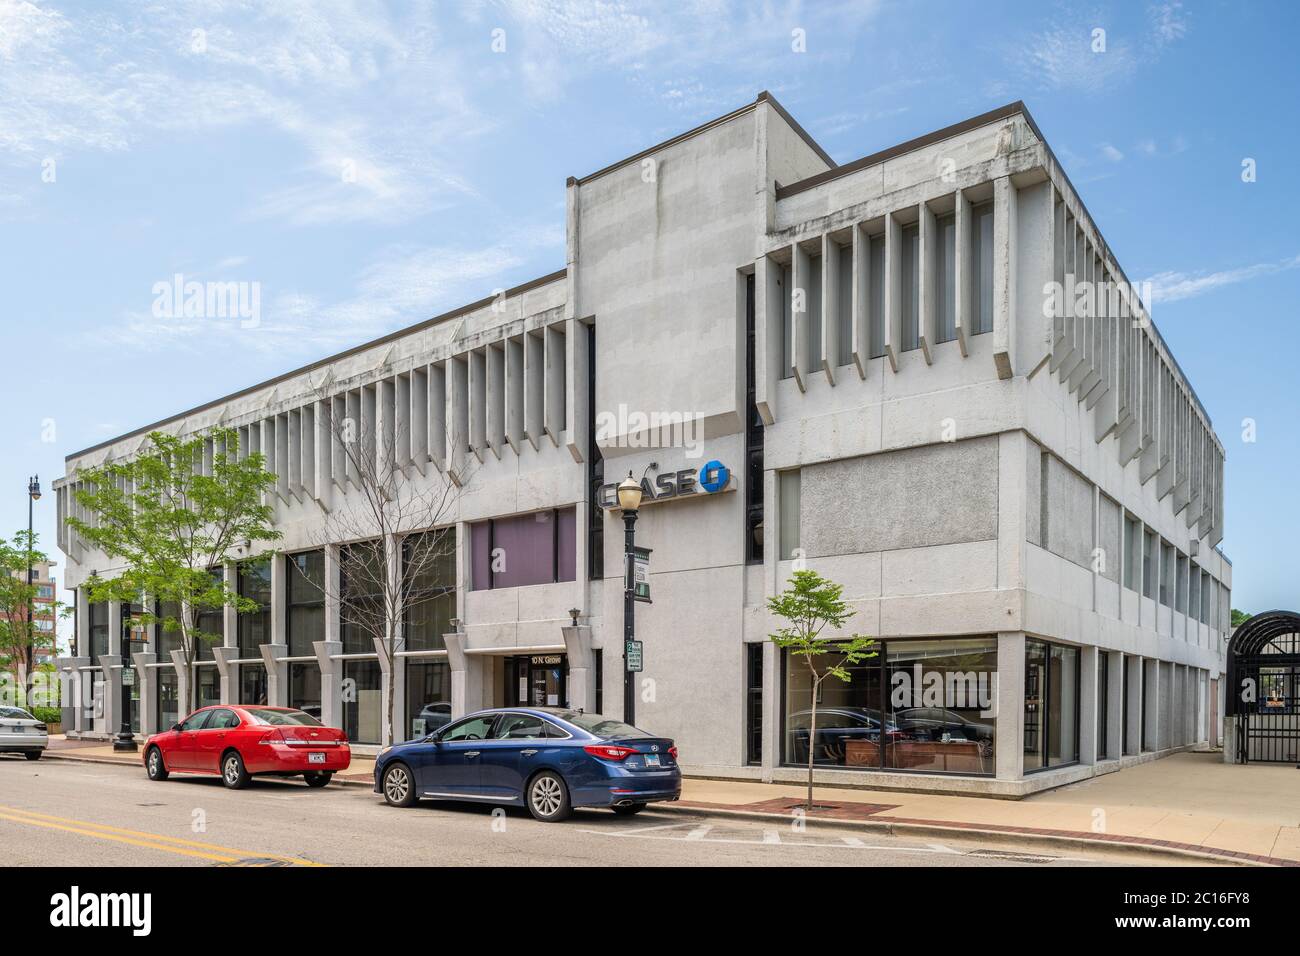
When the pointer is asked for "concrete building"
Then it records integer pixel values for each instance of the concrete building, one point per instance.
(922, 374)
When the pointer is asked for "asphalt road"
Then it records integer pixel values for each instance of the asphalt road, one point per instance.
(59, 812)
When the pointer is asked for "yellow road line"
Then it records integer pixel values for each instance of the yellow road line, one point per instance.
(143, 838)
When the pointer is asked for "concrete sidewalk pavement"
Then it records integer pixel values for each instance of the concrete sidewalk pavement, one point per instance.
(1190, 804)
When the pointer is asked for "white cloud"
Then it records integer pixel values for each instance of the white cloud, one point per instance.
(1111, 153)
(1175, 286)
(1168, 24)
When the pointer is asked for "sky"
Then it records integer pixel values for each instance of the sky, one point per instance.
(369, 165)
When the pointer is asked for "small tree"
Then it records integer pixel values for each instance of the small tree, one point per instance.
(809, 605)
(20, 637)
(174, 514)
(1239, 617)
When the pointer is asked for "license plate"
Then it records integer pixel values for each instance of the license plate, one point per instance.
(315, 758)
(652, 760)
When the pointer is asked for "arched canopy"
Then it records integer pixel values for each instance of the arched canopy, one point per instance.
(1270, 640)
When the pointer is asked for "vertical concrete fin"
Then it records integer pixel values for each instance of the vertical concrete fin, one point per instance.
(927, 333)
(1004, 272)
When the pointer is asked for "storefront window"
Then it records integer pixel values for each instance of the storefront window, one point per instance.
(252, 684)
(212, 622)
(168, 698)
(924, 706)
(305, 604)
(362, 701)
(166, 641)
(429, 565)
(255, 626)
(361, 583)
(428, 697)
(1051, 705)
(304, 687)
(98, 631)
(209, 684)
(520, 550)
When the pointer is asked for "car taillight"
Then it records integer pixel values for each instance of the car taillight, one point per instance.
(672, 751)
(609, 751)
(272, 737)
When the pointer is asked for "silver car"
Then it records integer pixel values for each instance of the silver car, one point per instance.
(21, 733)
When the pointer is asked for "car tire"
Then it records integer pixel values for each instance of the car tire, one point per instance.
(33, 754)
(628, 809)
(154, 765)
(399, 786)
(547, 797)
(317, 778)
(233, 774)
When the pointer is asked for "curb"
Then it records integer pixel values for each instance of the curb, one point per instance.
(942, 829)
(882, 826)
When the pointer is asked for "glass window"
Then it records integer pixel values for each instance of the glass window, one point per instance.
(602, 726)
(252, 684)
(209, 683)
(981, 285)
(361, 582)
(305, 601)
(753, 703)
(1051, 705)
(428, 696)
(519, 727)
(166, 641)
(1151, 557)
(222, 720)
(910, 292)
(282, 718)
(196, 721)
(168, 698)
(254, 579)
(98, 631)
(522, 550)
(1103, 704)
(1035, 704)
(429, 566)
(788, 486)
(304, 687)
(363, 707)
(1132, 553)
(945, 278)
(1180, 586)
(212, 622)
(472, 728)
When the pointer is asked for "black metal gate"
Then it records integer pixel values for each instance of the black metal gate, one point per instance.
(1263, 691)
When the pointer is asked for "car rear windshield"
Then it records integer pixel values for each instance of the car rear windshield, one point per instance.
(602, 726)
(15, 713)
(282, 718)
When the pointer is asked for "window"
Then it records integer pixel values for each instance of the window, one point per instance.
(910, 291)
(283, 718)
(1180, 586)
(361, 582)
(523, 550)
(945, 278)
(876, 287)
(168, 698)
(211, 621)
(813, 303)
(844, 317)
(1103, 704)
(304, 613)
(596, 461)
(98, 631)
(304, 687)
(1051, 705)
(428, 696)
(924, 706)
(787, 323)
(1193, 591)
(788, 502)
(429, 588)
(222, 720)
(166, 641)
(252, 684)
(1125, 742)
(1207, 592)
(1132, 553)
(196, 721)
(254, 580)
(1151, 558)
(754, 438)
(472, 728)
(754, 703)
(981, 261)
(44, 591)
(519, 727)
(209, 683)
(598, 665)
(362, 703)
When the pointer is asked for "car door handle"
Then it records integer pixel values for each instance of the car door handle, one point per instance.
(471, 753)
(527, 753)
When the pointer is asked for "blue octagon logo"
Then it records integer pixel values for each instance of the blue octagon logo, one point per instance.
(714, 476)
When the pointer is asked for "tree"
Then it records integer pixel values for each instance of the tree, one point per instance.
(809, 605)
(1240, 617)
(174, 515)
(20, 638)
(399, 555)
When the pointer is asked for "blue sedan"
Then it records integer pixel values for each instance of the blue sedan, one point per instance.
(549, 760)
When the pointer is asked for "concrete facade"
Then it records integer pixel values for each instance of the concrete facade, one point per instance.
(968, 463)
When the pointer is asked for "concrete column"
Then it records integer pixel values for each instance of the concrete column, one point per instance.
(333, 621)
(495, 404)
(184, 682)
(227, 672)
(74, 691)
(277, 673)
(927, 333)
(767, 336)
(1134, 703)
(1088, 705)
(111, 688)
(574, 384)
(962, 268)
(1011, 706)
(801, 293)
(466, 676)
(1115, 705)
(582, 676)
(893, 279)
(861, 301)
(331, 676)
(390, 673)
(1013, 449)
(534, 360)
(1004, 272)
(115, 627)
(476, 363)
(773, 721)
(1151, 692)
(148, 678)
(828, 350)
(82, 647)
(553, 413)
(514, 375)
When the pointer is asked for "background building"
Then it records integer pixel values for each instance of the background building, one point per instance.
(867, 369)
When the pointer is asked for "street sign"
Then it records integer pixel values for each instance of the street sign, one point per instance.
(639, 575)
(128, 676)
(634, 660)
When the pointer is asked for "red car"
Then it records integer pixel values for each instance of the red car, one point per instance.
(241, 741)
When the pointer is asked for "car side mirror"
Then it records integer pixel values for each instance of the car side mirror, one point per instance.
(176, 726)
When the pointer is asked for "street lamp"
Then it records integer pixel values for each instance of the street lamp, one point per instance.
(125, 739)
(629, 499)
(33, 495)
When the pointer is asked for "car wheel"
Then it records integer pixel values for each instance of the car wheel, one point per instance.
(548, 797)
(33, 754)
(399, 786)
(628, 809)
(233, 774)
(317, 778)
(154, 766)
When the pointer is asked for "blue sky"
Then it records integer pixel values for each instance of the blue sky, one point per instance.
(372, 165)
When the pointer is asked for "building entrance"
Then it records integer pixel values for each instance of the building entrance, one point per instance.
(537, 680)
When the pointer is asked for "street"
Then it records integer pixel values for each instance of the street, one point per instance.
(66, 813)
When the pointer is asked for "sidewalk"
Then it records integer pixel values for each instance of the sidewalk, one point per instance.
(1190, 804)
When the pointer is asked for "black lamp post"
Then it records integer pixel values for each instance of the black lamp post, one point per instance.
(33, 495)
(629, 499)
(125, 739)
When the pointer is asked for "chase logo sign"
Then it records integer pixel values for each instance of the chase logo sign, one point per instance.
(710, 479)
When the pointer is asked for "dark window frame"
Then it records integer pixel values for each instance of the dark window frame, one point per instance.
(290, 605)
